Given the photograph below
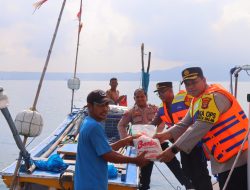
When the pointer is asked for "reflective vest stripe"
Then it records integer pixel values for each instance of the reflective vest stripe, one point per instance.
(179, 108)
(222, 123)
(232, 136)
(164, 115)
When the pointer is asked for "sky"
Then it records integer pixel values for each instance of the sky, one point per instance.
(178, 33)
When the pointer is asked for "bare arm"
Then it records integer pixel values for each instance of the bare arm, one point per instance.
(121, 143)
(115, 157)
(123, 123)
(160, 127)
(156, 120)
(179, 128)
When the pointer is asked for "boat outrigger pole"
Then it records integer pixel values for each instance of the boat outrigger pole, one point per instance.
(3, 106)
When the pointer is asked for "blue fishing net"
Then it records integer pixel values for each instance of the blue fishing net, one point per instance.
(54, 164)
(145, 81)
(112, 171)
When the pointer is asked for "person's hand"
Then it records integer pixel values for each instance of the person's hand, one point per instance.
(128, 141)
(166, 156)
(140, 160)
(162, 136)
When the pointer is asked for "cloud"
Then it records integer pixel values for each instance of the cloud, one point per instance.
(177, 33)
(236, 11)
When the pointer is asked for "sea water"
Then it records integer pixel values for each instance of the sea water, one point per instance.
(54, 104)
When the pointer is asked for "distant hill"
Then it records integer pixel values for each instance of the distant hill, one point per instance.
(212, 74)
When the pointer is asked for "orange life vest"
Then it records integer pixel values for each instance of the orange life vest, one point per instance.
(227, 134)
(164, 115)
(180, 105)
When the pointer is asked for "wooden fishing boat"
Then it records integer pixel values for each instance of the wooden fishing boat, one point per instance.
(63, 141)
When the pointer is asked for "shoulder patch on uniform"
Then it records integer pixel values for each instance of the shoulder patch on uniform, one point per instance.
(205, 102)
(208, 110)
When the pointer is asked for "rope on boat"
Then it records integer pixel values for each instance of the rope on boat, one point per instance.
(177, 188)
(52, 148)
(235, 162)
(30, 142)
(240, 151)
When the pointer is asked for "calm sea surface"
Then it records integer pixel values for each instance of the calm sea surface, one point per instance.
(54, 105)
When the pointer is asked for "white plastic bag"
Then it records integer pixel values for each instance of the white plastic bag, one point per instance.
(148, 130)
(148, 144)
(145, 142)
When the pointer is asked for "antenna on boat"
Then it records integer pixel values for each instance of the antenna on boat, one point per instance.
(74, 83)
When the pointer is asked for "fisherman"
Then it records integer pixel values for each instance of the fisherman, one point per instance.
(93, 150)
(172, 110)
(143, 113)
(113, 94)
(216, 118)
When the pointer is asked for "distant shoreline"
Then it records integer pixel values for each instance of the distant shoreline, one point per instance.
(161, 75)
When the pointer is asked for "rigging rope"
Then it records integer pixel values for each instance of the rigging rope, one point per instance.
(240, 151)
(177, 188)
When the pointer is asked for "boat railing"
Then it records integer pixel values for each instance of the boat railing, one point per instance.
(235, 72)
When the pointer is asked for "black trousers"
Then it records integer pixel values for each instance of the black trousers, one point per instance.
(194, 166)
(238, 180)
(173, 165)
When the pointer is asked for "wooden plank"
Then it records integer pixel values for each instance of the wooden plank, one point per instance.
(68, 149)
(71, 162)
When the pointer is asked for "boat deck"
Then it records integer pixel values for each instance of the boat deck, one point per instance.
(127, 177)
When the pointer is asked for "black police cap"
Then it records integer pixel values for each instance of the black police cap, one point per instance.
(191, 73)
(161, 85)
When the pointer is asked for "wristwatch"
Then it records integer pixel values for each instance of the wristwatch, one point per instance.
(174, 149)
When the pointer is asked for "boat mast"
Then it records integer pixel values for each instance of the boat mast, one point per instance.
(75, 82)
(48, 56)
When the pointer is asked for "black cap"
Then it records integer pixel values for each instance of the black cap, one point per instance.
(161, 85)
(98, 97)
(191, 73)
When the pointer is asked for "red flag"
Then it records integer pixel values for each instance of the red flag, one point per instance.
(79, 14)
(38, 4)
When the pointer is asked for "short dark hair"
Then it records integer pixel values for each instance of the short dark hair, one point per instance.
(139, 90)
(112, 79)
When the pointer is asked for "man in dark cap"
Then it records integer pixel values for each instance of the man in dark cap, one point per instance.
(93, 150)
(216, 118)
(164, 117)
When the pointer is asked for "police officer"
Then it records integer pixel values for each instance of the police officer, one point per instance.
(165, 92)
(140, 113)
(216, 117)
(172, 110)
